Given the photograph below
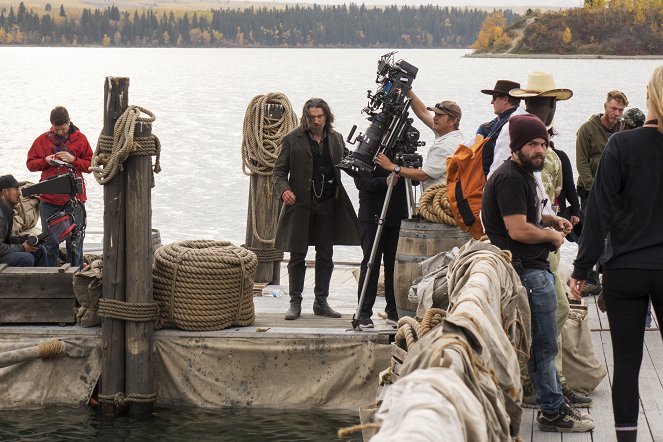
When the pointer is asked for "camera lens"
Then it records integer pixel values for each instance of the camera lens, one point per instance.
(32, 240)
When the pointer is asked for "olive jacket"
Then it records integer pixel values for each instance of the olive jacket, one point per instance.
(590, 142)
(294, 171)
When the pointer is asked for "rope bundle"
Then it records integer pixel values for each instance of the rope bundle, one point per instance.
(112, 151)
(410, 331)
(204, 285)
(434, 205)
(261, 143)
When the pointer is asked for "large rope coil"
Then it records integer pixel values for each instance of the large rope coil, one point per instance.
(112, 151)
(204, 285)
(434, 205)
(261, 144)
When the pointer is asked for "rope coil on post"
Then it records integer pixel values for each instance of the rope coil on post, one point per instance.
(121, 401)
(261, 143)
(266, 255)
(128, 311)
(434, 205)
(112, 151)
(204, 285)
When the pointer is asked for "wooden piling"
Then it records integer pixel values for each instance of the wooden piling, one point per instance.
(116, 101)
(267, 207)
(139, 361)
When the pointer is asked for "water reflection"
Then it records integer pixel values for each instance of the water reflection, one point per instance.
(76, 424)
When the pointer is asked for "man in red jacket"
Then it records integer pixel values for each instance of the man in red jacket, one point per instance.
(63, 143)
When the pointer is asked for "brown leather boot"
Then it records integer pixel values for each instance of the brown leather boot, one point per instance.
(321, 308)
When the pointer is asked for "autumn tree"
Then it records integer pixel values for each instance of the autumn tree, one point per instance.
(492, 35)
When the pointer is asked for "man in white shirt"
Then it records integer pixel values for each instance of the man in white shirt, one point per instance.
(444, 122)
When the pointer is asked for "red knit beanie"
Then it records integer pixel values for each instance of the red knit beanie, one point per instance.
(524, 128)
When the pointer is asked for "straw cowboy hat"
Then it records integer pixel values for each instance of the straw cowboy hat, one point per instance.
(541, 84)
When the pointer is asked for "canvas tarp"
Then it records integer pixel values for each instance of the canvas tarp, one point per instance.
(280, 372)
(63, 380)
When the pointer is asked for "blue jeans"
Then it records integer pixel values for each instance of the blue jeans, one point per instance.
(47, 210)
(540, 285)
(26, 259)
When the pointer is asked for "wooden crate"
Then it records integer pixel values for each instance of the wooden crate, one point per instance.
(36, 295)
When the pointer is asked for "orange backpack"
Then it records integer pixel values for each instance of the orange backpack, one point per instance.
(465, 183)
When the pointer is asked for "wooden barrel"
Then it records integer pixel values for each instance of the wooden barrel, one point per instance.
(419, 240)
(156, 240)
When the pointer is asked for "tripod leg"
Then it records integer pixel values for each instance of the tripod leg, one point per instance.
(376, 241)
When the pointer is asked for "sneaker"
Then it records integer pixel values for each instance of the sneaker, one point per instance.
(564, 421)
(392, 320)
(529, 397)
(574, 399)
(366, 323)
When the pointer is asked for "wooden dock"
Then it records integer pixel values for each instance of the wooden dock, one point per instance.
(650, 420)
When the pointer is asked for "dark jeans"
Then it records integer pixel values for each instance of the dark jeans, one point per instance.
(47, 210)
(25, 259)
(386, 252)
(627, 293)
(540, 285)
(321, 235)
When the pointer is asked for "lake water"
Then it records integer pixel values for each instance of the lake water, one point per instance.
(200, 96)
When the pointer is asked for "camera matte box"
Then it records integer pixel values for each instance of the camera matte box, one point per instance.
(37, 295)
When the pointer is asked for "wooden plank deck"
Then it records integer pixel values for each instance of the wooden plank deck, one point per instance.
(650, 419)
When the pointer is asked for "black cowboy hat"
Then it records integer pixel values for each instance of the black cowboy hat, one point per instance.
(502, 87)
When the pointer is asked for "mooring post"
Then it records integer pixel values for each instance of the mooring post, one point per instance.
(140, 254)
(267, 207)
(116, 101)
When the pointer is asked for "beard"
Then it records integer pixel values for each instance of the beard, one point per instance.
(530, 163)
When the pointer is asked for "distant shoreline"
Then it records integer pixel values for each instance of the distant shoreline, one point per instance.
(569, 56)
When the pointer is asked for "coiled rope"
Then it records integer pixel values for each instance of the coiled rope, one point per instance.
(51, 349)
(434, 205)
(121, 401)
(112, 151)
(204, 285)
(261, 144)
(128, 311)
(410, 331)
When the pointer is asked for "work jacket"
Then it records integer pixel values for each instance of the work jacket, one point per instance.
(8, 243)
(43, 146)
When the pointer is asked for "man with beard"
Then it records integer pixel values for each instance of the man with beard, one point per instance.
(317, 210)
(590, 142)
(513, 220)
(15, 250)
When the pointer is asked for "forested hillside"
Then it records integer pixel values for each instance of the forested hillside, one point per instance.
(616, 27)
(316, 26)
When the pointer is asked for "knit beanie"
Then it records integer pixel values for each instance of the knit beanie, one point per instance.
(524, 128)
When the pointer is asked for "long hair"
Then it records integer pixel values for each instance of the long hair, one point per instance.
(322, 104)
(655, 96)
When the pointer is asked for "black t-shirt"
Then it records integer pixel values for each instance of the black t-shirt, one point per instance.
(511, 190)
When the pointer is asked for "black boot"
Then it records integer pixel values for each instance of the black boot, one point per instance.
(295, 309)
(321, 308)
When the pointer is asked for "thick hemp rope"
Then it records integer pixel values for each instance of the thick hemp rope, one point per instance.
(410, 330)
(112, 151)
(128, 311)
(262, 143)
(204, 285)
(51, 349)
(434, 205)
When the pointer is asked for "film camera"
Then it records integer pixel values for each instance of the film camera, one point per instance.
(35, 240)
(391, 128)
(67, 183)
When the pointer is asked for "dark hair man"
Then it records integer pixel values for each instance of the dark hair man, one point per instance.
(513, 219)
(626, 207)
(15, 250)
(591, 139)
(56, 151)
(317, 210)
(444, 122)
(503, 106)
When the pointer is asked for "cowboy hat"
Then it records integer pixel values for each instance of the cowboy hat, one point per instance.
(541, 84)
(502, 87)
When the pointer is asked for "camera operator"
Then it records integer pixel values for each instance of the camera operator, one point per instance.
(372, 193)
(15, 251)
(444, 122)
(63, 143)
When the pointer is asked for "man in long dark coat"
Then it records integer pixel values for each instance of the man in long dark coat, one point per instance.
(316, 210)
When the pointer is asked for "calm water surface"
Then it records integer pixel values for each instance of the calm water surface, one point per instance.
(75, 424)
(200, 96)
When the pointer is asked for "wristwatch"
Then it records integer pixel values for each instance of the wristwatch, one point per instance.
(397, 170)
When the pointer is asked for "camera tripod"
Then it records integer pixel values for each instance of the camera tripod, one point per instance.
(376, 241)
